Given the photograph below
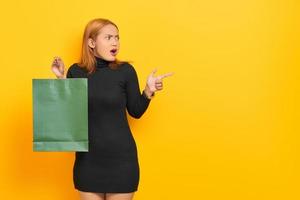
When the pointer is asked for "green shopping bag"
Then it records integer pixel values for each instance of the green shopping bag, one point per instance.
(60, 114)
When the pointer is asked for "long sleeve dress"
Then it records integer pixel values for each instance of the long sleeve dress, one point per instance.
(111, 164)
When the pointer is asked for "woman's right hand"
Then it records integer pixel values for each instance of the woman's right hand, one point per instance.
(58, 67)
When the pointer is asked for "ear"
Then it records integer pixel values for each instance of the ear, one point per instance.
(91, 43)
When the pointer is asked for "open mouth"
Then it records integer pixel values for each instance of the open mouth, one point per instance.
(113, 52)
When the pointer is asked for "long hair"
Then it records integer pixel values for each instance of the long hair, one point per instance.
(87, 59)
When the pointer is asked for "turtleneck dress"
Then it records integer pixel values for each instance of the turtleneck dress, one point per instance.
(111, 163)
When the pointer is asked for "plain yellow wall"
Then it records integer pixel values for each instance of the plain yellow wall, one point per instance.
(226, 124)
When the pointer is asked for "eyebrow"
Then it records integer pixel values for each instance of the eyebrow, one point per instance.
(111, 35)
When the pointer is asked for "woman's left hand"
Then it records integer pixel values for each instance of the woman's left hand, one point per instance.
(155, 83)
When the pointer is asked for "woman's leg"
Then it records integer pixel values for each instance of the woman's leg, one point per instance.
(119, 196)
(91, 196)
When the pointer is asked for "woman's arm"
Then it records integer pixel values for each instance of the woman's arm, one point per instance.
(137, 103)
(69, 73)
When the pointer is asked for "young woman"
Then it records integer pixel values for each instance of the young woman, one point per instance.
(110, 169)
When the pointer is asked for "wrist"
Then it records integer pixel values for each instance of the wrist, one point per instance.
(60, 77)
(148, 93)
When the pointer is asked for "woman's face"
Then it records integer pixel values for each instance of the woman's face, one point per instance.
(107, 43)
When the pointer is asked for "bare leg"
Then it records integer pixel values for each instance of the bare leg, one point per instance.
(119, 196)
(91, 196)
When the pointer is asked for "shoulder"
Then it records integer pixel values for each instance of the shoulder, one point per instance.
(128, 68)
(76, 71)
(76, 68)
(129, 72)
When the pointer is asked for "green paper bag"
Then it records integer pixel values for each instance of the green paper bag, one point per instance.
(60, 114)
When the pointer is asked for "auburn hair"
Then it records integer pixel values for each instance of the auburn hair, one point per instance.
(87, 59)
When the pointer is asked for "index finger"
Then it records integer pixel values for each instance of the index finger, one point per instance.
(166, 75)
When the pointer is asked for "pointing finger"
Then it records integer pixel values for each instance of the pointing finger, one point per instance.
(165, 75)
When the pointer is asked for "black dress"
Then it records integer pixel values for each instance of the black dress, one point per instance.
(111, 165)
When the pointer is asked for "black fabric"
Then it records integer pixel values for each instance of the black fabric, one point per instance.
(111, 165)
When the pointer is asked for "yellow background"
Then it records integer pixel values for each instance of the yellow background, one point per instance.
(226, 124)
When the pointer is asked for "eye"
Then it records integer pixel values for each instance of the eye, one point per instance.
(109, 36)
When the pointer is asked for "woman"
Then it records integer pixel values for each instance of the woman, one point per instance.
(110, 169)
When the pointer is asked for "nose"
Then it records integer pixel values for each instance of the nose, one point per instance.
(115, 42)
